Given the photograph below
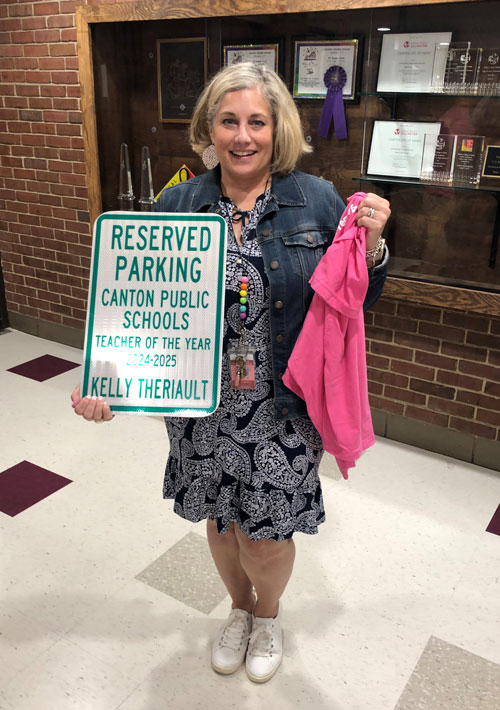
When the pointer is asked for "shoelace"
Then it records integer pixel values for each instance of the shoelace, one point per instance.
(261, 641)
(232, 635)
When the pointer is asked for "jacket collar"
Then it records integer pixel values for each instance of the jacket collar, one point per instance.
(285, 191)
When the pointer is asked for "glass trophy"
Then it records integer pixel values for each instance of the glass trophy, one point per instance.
(439, 67)
(147, 197)
(126, 196)
(460, 68)
(437, 159)
(488, 75)
(468, 161)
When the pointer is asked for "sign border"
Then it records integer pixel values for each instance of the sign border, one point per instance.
(195, 217)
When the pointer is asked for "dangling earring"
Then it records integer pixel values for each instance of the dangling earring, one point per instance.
(209, 157)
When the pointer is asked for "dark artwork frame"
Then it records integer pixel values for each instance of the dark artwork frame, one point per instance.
(182, 73)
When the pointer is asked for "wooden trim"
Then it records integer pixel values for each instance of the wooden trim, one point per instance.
(177, 9)
(86, 74)
(459, 299)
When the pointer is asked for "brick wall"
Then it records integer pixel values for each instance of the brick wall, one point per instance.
(438, 366)
(44, 222)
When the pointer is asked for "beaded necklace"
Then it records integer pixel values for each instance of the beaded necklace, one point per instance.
(249, 219)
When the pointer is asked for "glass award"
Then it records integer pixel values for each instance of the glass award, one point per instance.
(458, 75)
(488, 75)
(468, 161)
(461, 70)
(147, 198)
(439, 67)
(437, 159)
(126, 196)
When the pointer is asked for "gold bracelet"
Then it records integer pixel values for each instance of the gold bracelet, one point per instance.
(373, 254)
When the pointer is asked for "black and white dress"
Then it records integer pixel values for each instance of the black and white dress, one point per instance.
(240, 464)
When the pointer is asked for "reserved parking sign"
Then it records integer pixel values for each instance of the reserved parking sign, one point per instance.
(155, 313)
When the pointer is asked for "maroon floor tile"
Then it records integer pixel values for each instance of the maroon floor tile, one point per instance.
(494, 526)
(43, 368)
(25, 484)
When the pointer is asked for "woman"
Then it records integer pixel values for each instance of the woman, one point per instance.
(251, 468)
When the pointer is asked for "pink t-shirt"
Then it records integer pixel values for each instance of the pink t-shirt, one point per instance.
(327, 367)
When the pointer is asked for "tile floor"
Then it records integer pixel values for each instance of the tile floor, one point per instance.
(108, 600)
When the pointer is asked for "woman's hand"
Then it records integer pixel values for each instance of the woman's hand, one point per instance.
(373, 213)
(93, 409)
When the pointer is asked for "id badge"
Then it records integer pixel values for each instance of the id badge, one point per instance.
(242, 364)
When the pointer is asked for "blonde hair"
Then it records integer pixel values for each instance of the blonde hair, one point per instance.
(288, 138)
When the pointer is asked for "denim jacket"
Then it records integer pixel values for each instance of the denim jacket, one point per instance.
(294, 231)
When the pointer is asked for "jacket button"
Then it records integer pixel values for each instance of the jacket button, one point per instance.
(279, 338)
(310, 238)
(278, 304)
(265, 232)
(274, 264)
(284, 411)
(280, 376)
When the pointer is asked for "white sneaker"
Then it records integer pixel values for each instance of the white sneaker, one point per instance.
(230, 645)
(265, 649)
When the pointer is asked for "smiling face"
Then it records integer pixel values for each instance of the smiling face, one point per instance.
(242, 133)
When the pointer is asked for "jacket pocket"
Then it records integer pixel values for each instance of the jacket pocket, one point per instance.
(305, 249)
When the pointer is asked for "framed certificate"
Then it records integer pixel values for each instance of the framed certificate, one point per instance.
(410, 63)
(182, 72)
(313, 58)
(267, 54)
(397, 147)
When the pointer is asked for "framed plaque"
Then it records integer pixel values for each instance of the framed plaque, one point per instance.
(267, 54)
(313, 58)
(182, 72)
(491, 167)
(409, 63)
(156, 313)
(397, 147)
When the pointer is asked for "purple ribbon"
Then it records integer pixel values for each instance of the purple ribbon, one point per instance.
(333, 108)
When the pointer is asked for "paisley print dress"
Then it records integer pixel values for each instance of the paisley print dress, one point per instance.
(240, 464)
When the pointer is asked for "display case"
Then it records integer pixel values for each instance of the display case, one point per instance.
(431, 103)
(443, 234)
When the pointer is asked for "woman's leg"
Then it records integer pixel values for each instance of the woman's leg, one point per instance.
(226, 555)
(268, 564)
(243, 563)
